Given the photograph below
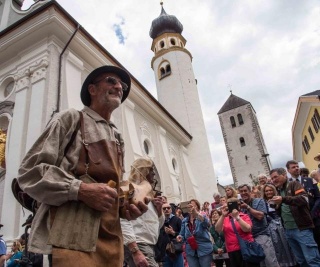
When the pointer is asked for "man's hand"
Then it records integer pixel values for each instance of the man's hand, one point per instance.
(139, 259)
(157, 202)
(169, 230)
(277, 200)
(97, 196)
(133, 211)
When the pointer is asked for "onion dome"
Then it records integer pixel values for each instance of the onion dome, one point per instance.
(165, 24)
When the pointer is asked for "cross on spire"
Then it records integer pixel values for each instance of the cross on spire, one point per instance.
(230, 86)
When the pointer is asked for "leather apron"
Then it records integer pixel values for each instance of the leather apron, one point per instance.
(102, 161)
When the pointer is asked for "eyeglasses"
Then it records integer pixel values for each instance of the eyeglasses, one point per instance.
(113, 81)
(166, 208)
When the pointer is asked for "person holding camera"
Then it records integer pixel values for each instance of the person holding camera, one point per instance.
(278, 236)
(243, 225)
(194, 232)
(220, 254)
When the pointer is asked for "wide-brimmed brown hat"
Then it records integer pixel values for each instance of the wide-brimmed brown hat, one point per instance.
(124, 76)
(317, 157)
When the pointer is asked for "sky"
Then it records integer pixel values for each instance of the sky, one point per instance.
(267, 52)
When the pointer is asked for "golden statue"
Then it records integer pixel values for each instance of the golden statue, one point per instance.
(3, 139)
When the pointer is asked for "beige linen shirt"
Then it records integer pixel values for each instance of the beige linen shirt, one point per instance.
(52, 185)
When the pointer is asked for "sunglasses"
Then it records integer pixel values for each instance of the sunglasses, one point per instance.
(113, 81)
(166, 208)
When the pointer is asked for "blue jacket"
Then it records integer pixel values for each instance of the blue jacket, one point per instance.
(201, 234)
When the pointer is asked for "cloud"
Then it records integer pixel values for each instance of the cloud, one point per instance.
(118, 31)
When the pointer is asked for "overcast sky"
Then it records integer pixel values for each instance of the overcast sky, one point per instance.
(268, 51)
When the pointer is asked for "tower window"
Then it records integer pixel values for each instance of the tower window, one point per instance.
(172, 41)
(242, 142)
(162, 44)
(306, 145)
(165, 70)
(311, 134)
(233, 122)
(240, 120)
(315, 124)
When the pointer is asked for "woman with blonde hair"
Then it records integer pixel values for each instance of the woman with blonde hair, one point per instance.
(231, 192)
(283, 253)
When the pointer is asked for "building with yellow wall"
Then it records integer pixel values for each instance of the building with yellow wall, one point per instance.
(306, 130)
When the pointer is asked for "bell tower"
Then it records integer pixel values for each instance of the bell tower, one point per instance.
(178, 93)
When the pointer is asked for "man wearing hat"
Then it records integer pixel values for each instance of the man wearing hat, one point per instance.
(68, 171)
(3, 249)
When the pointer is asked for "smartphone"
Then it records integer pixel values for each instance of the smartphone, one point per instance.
(232, 206)
(184, 206)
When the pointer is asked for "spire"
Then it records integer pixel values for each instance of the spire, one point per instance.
(164, 24)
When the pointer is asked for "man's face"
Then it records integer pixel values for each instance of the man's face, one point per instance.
(105, 93)
(262, 180)
(294, 170)
(166, 209)
(245, 193)
(217, 199)
(278, 179)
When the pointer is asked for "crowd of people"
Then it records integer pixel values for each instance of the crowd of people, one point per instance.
(86, 215)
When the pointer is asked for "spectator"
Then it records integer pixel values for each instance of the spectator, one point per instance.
(179, 213)
(304, 172)
(231, 192)
(15, 256)
(171, 229)
(216, 203)
(257, 211)
(220, 254)
(243, 224)
(298, 224)
(3, 249)
(313, 195)
(35, 258)
(194, 232)
(205, 208)
(262, 179)
(283, 252)
(141, 235)
(223, 201)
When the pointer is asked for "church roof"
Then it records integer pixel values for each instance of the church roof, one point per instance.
(165, 24)
(233, 102)
(314, 93)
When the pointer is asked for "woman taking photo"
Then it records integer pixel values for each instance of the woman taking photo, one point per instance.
(220, 254)
(194, 232)
(281, 246)
(243, 225)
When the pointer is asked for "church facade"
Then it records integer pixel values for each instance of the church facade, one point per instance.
(46, 55)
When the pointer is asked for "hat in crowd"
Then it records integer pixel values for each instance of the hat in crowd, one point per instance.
(317, 157)
(124, 76)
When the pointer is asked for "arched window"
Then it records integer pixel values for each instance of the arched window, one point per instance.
(240, 120)
(165, 69)
(242, 142)
(162, 44)
(172, 41)
(233, 122)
